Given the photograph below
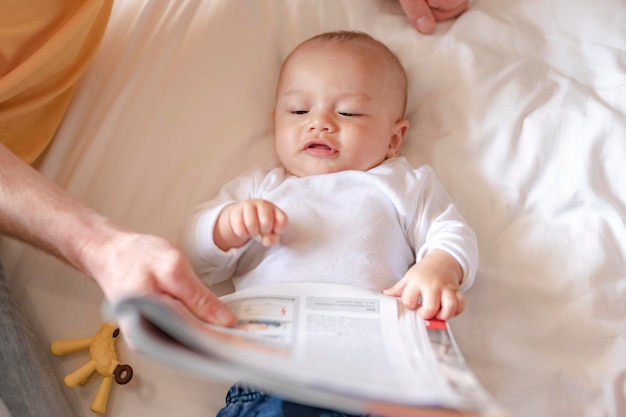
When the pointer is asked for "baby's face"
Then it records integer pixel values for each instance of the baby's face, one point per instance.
(336, 110)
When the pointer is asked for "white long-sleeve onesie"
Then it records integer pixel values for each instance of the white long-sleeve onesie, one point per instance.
(364, 229)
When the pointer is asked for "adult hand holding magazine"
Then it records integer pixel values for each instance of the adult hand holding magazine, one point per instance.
(320, 344)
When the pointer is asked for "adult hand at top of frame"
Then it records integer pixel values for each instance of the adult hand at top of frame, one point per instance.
(423, 14)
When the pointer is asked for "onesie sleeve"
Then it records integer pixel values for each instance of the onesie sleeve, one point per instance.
(212, 264)
(439, 225)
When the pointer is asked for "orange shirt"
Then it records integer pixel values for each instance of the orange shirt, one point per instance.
(45, 46)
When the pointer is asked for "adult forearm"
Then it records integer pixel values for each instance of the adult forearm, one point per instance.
(123, 263)
(37, 211)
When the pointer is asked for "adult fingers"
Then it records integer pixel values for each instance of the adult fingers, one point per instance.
(201, 301)
(446, 4)
(442, 10)
(419, 14)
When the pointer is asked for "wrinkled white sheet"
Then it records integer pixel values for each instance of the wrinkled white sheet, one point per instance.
(520, 106)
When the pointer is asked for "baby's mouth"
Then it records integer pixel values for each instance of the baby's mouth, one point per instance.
(320, 146)
(319, 149)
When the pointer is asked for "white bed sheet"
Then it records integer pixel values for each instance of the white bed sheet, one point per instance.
(520, 106)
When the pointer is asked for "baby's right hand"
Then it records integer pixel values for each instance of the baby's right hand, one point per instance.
(249, 219)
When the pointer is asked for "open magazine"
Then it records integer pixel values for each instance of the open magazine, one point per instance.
(327, 345)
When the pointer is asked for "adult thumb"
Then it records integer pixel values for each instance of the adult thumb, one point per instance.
(203, 302)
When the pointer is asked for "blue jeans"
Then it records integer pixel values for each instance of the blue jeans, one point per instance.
(28, 385)
(243, 401)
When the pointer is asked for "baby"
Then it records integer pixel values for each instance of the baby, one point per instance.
(343, 206)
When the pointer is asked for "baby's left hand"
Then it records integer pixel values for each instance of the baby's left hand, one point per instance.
(432, 287)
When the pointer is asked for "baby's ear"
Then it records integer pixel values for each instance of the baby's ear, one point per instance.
(397, 137)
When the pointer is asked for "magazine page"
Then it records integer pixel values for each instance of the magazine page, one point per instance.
(317, 343)
(454, 369)
(343, 338)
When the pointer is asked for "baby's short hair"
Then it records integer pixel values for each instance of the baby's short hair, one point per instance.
(395, 67)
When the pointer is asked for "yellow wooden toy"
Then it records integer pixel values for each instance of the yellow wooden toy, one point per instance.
(103, 359)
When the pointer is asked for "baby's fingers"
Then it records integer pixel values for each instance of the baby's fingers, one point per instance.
(272, 223)
(396, 289)
(280, 221)
(265, 216)
(269, 240)
(413, 296)
(431, 303)
(237, 218)
(452, 303)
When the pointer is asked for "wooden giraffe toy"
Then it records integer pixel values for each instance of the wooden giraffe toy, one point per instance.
(103, 360)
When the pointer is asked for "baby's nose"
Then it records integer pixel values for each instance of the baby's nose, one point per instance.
(322, 122)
